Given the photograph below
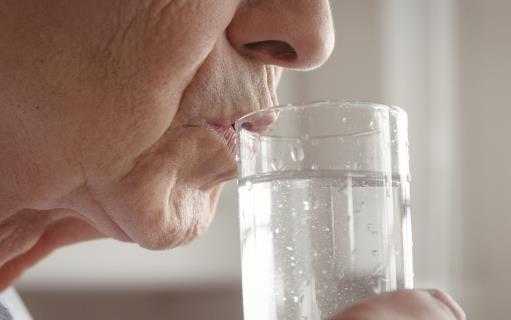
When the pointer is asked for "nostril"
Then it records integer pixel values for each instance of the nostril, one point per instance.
(279, 50)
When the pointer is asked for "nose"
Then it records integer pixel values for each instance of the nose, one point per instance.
(295, 34)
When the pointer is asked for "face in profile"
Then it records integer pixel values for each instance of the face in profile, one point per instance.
(116, 116)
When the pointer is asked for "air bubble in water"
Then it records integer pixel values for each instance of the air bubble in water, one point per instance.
(377, 288)
(297, 153)
(306, 205)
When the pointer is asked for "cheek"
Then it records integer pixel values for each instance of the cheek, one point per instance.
(162, 201)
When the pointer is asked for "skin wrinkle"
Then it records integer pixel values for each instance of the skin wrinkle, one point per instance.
(109, 93)
(145, 153)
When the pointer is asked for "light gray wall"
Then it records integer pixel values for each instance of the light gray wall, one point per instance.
(485, 112)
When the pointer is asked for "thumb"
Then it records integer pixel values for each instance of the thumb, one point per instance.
(406, 305)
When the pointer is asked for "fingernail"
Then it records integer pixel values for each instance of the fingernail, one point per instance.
(446, 299)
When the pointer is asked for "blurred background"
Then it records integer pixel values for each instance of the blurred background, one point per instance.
(446, 62)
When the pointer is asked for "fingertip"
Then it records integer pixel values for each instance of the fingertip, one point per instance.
(448, 301)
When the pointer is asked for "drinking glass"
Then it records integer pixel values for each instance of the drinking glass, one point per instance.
(324, 207)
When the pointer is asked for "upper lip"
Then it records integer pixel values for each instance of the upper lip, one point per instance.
(227, 121)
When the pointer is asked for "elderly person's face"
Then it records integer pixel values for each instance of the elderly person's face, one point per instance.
(114, 114)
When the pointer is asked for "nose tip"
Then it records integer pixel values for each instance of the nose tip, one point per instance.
(296, 34)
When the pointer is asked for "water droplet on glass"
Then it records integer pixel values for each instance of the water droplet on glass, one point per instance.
(284, 299)
(314, 166)
(344, 119)
(248, 185)
(289, 248)
(347, 166)
(372, 229)
(378, 270)
(276, 186)
(324, 271)
(316, 203)
(277, 164)
(297, 153)
(375, 253)
(277, 231)
(296, 299)
(408, 178)
(306, 205)
(326, 229)
(371, 124)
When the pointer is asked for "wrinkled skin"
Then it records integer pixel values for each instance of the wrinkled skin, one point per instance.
(103, 110)
(104, 115)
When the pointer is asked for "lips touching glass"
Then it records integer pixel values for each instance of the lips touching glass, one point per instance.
(324, 207)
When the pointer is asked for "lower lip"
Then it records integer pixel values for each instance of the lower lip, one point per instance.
(227, 135)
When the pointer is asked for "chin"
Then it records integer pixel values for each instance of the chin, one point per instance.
(187, 217)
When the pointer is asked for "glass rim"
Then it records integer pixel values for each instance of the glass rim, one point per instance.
(318, 104)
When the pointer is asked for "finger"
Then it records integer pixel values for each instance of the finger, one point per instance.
(406, 305)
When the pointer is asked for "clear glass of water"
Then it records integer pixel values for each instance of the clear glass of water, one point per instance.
(324, 207)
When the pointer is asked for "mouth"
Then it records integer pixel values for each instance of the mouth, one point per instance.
(226, 135)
